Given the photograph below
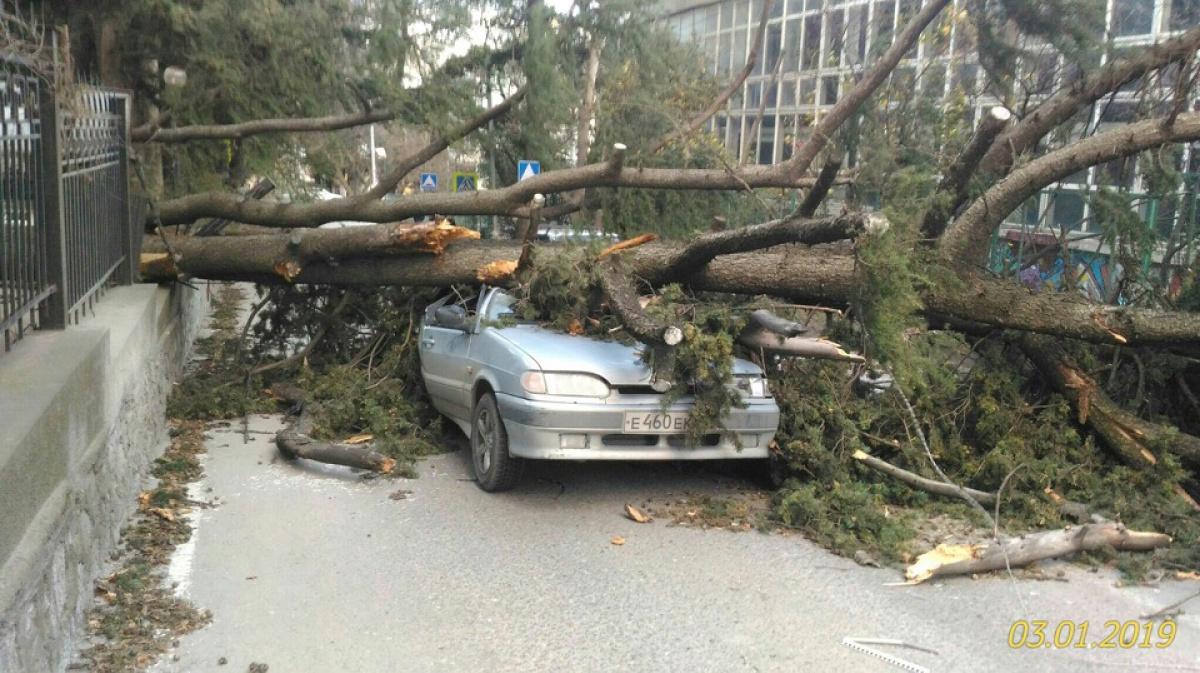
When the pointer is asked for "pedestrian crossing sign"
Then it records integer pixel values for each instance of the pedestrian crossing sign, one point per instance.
(466, 182)
(429, 182)
(527, 169)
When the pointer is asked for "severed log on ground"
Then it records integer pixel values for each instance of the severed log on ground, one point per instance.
(1014, 552)
(295, 442)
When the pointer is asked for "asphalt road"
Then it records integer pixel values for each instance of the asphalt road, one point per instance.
(309, 568)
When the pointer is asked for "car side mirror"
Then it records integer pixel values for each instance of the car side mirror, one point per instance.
(452, 317)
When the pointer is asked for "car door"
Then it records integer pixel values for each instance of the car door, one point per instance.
(444, 365)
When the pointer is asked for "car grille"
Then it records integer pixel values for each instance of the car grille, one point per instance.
(645, 390)
(674, 441)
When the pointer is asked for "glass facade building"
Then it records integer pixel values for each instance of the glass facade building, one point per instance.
(814, 50)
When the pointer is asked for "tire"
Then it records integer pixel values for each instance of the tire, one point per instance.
(495, 469)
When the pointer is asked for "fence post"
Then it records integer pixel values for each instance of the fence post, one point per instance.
(128, 273)
(54, 310)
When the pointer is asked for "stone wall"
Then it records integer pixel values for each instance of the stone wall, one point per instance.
(82, 417)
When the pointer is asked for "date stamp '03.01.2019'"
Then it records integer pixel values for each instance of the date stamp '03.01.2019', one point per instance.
(1039, 634)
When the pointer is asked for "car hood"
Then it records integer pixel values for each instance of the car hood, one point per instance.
(615, 362)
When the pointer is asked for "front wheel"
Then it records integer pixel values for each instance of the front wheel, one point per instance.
(495, 469)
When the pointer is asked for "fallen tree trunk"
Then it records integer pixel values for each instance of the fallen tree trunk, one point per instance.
(803, 275)
(289, 254)
(1014, 552)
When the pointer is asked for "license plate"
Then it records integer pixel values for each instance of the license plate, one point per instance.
(644, 423)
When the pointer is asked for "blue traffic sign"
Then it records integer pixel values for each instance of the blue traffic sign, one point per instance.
(429, 182)
(527, 169)
(465, 182)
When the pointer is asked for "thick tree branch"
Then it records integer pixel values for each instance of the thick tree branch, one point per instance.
(1024, 135)
(952, 191)
(506, 201)
(1127, 435)
(718, 103)
(703, 250)
(820, 190)
(149, 134)
(964, 245)
(1003, 303)
(407, 164)
(875, 77)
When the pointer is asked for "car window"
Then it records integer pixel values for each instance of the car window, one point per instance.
(500, 306)
(468, 303)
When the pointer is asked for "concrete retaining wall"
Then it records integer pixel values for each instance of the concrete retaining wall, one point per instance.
(82, 417)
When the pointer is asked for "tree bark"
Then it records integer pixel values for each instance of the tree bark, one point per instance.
(294, 441)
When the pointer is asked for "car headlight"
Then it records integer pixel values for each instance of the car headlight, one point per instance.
(563, 383)
(754, 386)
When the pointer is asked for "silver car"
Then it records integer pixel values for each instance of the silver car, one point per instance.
(522, 391)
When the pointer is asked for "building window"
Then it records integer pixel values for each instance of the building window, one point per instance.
(791, 45)
(885, 18)
(1067, 210)
(856, 35)
(1184, 14)
(725, 54)
(1132, 17)
(774, 40)
(829, 90)
(739, 50)
(787, 94)
(766, 146)
(808, 91)
(812, 43)
(835, 34)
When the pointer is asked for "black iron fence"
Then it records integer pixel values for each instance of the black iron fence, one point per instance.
(67, 227)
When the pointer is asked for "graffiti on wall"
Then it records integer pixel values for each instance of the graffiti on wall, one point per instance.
(1040, 265)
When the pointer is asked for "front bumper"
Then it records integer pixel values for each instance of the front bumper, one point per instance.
(593, 431)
